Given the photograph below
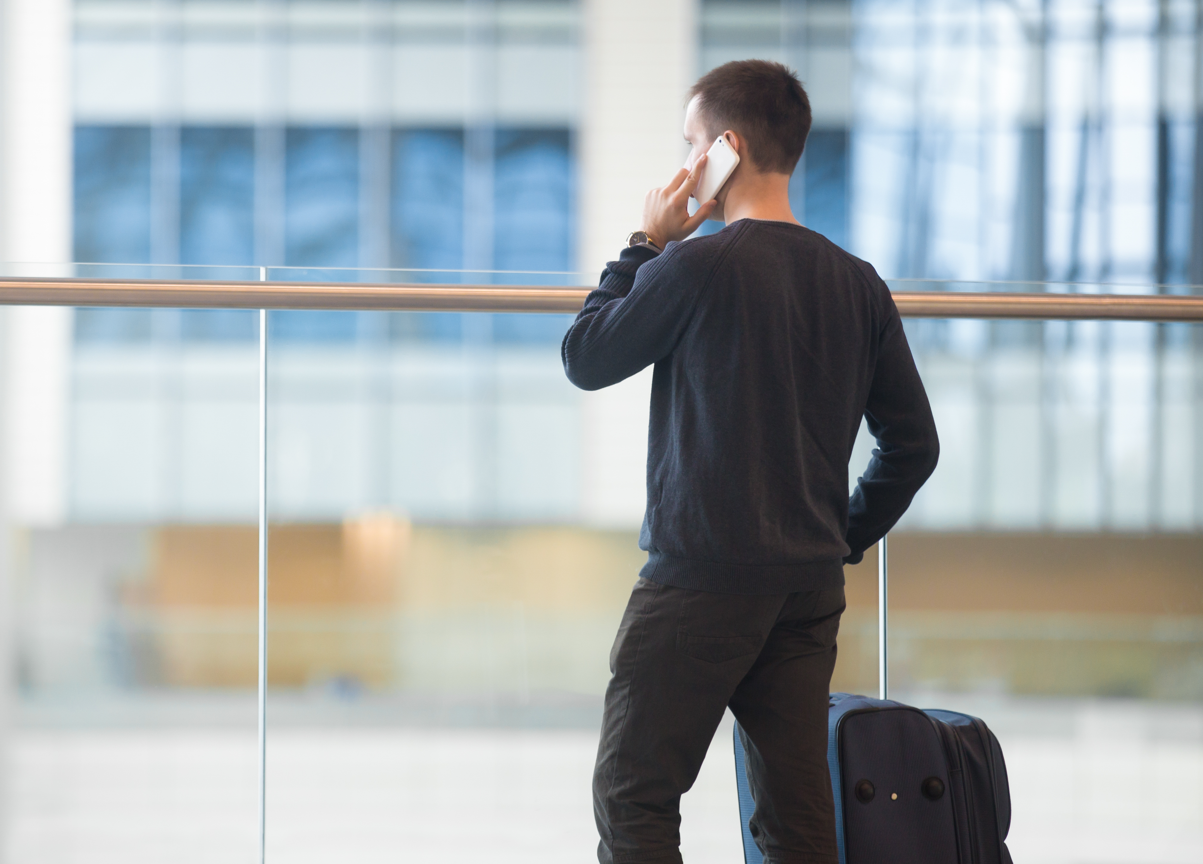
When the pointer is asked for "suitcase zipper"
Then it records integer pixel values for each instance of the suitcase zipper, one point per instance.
(984, 734)
(953, 750)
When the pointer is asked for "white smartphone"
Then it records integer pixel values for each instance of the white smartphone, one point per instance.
(721, 160)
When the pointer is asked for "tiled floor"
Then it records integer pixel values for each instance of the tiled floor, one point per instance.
(1092, 783)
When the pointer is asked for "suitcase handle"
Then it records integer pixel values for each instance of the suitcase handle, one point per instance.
(883, 580)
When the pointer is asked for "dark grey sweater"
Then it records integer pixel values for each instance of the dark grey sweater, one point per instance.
(769, 343)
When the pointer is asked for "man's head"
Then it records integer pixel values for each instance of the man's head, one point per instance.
(762, 103)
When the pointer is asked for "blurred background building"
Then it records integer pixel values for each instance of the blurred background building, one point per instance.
(455, 524)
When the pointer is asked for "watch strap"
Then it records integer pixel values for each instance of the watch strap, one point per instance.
(640, 238)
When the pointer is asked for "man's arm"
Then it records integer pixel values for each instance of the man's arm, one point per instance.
(588, 350)
(628, 323)
(900, 420)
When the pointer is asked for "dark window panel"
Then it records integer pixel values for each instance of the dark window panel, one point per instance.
(428, 199)
(321, 222)
(533, 219)
(113, 326)
(112, 194)
(112, 220)
(321, 197)
(219, 325)
(1181, 156)
(824, 191)
(1012, 334)
(217, 195)
(428, 222)
(306, 326)
(533, 200)
(427, 326)
(530, 328)
(217, 221)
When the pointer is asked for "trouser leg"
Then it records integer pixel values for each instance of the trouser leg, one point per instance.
(678, 657)
(781, 706)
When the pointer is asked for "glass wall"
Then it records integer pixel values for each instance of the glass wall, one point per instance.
(1074, 643)
(454, 539)
(1076, 630)
(454, 527)
(132, 732)
(989, 140)
(439, 627)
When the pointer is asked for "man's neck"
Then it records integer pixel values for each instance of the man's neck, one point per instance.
(759, 196)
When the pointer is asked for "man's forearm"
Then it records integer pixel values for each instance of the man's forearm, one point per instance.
(886, 490)
(584, 351)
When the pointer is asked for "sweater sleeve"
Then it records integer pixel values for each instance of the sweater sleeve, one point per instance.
(632, 319)
(899, 418)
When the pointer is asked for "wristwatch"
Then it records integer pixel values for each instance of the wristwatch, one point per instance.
(640, 238)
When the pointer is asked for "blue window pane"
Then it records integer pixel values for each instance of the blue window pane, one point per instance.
(219, 325)
(217, 196)
(1180, 150)
(530, 328)
(428, 199)
(113, 325)
(321, 221)
(533, 220)
(427, 326)
(321, 194)
(313, 326)
(825, 165)
(112, 194)
(532, 210)
(217, 213)
(112, 219)
(428, 221)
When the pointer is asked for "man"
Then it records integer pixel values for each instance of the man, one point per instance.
(770, 344)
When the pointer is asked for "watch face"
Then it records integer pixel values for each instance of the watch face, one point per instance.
(636, 238)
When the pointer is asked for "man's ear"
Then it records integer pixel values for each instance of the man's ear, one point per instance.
(734, 140)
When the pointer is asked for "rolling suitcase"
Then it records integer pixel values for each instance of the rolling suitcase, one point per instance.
(910, 786)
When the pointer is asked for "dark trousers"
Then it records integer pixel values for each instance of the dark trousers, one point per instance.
(680, 659)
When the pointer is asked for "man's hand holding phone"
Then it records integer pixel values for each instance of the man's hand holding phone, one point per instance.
(666, 210)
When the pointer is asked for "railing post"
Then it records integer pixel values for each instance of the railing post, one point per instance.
(262, 575)
(883, 603)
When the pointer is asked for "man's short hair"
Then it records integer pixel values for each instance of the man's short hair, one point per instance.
(764, 102)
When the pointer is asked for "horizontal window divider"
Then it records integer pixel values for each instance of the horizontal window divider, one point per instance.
(404, 297)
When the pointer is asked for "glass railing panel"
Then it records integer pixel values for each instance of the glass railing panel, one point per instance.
(1049, 577)
(1047, 287)
(454, 534)
(480, 519)
(502, 508)
(129, 554)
